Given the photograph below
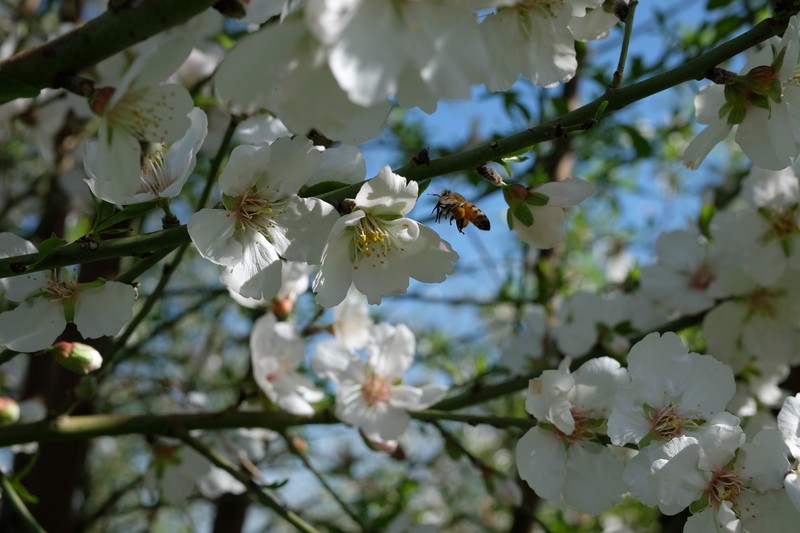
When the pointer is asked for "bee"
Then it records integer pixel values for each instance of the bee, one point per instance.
(457, 208)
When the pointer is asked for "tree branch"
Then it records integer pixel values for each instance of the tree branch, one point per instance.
(98, 39)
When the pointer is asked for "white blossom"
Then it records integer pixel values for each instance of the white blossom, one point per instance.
(264, 220)
(371, 395)
(376, 248)
(277, 351)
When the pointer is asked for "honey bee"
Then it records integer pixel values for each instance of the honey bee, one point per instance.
(457, 208)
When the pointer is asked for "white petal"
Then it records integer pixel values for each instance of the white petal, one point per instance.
(212, 233)
(334, 361)
(18, 288)
(258, 273)
(566, 193)
(391, 349)
(767, 138)
(33, 325)
(308, 222)
(433, 259)
(594, 478)
(699, 147)
(387, 193)
(182, 155)
(547, 229)
(246, 165)
(103, 310)
(336, 266)
(789, 424)
(541, 461)
(292, 164)
(115, 164)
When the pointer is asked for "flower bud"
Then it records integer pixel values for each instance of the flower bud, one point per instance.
(763, 80)
(9, 411)
(78, 357)
(282, 307)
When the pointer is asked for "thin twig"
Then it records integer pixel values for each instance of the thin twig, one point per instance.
(11, 497)
(352, 513)
(626, 39)
(259, 493)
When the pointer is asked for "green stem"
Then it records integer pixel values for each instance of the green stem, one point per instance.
(623, 54)
(81, 252)
(259, 493)
(13, 499)
(65, 428)
(322, 481)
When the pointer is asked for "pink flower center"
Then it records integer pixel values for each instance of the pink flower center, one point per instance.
(724, 486)
(666, 423)
(784, 223)
(376, 389)
(760, 302)
(701, 278)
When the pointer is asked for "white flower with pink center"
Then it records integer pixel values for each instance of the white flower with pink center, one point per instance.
(671, 391)
(277, 352)
(139, 109)
(47, 301)
(561, 458)
(371, 395)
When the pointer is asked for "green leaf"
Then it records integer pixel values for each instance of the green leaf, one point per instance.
(537, 199)
(523, 213)
(510, 220)
(47, 248)
(128, 212)
(23, 492)
(20, 475)
(321, 188)
(423, 186)
(11, 89)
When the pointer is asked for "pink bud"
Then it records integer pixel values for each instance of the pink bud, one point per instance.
(9, 411)
(76, 356)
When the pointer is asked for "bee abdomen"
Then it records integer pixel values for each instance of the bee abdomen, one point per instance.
(481, 221)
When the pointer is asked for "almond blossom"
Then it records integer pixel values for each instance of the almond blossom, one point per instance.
(417, 51)
(293, 80)
(541, 29)
(560, 458)
(47, 301)
(717, 467)
(763, 103)
(140, 108)
(166, 168)
(376, 248)
(371, 394)
(277, 351)
(538, 215)
(764, 235)
(671, 391)
(264, 219)
(685, 276)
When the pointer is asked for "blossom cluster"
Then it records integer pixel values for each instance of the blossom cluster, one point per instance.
(687, 452)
